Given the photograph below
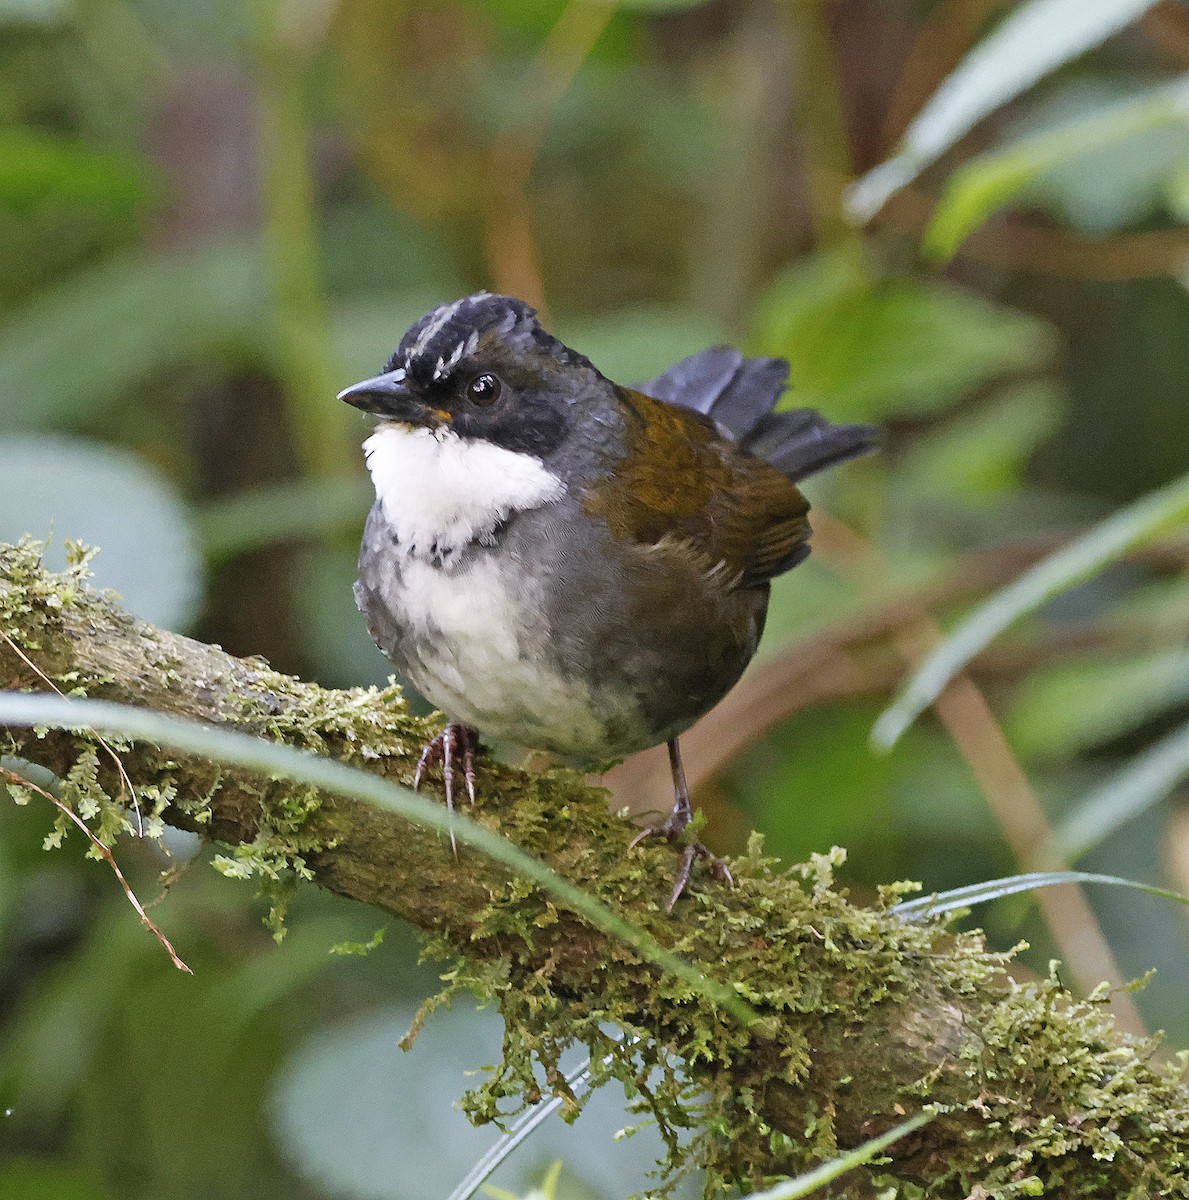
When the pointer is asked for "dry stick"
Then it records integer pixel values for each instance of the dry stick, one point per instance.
(968, 719)
(67, 811)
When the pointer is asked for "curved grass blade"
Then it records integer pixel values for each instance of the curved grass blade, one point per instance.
(256, 754)
(1031, 41)
(993, 889)
(517, 1133)
(803, 1185)
(1154, 514)
(1145, 781)
(986, 183)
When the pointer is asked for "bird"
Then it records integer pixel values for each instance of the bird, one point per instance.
(568, 564)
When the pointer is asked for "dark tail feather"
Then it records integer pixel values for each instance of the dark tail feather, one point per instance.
(740, 393)
(736, 392)
(801, 442)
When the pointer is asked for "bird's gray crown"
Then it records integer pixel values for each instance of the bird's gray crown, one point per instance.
(452, 332)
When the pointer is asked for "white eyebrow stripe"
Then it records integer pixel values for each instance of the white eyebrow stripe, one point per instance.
(464, 347)
(435, 326)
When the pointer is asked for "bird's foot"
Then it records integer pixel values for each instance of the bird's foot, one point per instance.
(443, 751)
(672, 829)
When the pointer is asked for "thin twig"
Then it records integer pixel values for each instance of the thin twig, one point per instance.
(126, 787)
(20, 781)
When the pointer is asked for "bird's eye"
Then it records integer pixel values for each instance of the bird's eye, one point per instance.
(483, 390)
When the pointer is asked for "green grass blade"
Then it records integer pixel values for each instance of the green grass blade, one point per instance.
(803, 1185)
(1145, 781)
(255, 754)
(1034, 39)
(993, 889)
(1147, 518)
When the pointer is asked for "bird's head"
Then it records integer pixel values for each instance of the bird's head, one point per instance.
(483, 367)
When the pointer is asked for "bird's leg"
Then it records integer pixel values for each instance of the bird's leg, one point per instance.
(440, 751)
(675, 825)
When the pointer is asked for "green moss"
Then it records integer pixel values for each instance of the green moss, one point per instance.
(1044, 1092)
(1037, 1093)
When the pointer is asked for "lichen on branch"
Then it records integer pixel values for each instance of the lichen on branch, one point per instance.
(864, 1017)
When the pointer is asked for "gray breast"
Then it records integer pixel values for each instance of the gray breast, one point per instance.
(557, 637)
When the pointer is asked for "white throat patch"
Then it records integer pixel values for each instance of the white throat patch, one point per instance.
(440, 491)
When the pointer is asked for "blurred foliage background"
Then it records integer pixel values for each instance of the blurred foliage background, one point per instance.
(215, 215)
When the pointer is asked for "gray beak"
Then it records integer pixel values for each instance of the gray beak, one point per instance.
(385, 395)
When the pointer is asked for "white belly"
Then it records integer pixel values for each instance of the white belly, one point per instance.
(477, 650)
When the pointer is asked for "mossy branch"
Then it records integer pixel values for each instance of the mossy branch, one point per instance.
(865, 1016)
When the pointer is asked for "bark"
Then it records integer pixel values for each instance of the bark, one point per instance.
(864, 1017)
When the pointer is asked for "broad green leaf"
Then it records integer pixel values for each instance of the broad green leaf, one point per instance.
(1034, 39)
(986, 183)
(1078, 703)
(1147, 518)
(116, 325)
(982, 451)
(868, 350)
(812, 1181)
(1145, 781)
(994, 889)
(1125, 182)
(255, 754)
(57, 487)
(36, 167)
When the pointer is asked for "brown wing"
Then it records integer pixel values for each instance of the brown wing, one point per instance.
(681, 479)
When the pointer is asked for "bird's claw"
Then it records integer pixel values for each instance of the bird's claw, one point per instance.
(671, 829)
(441, 751)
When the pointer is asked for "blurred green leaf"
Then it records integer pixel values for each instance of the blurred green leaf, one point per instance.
(368, 248)
(351, 1087)
(1145, 781)
(338, 646)
(36, 167)
(1104, 190)
(54, 488)
(1076, 704)
(1176, 192)
(983, 450)
(117, 325)
(634, 344)
(867, 350)
(36, 12)
(308, 509)
(1034, 39)
(1149, 517)
(986, 183)
(32, 1180)
(653, 6)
